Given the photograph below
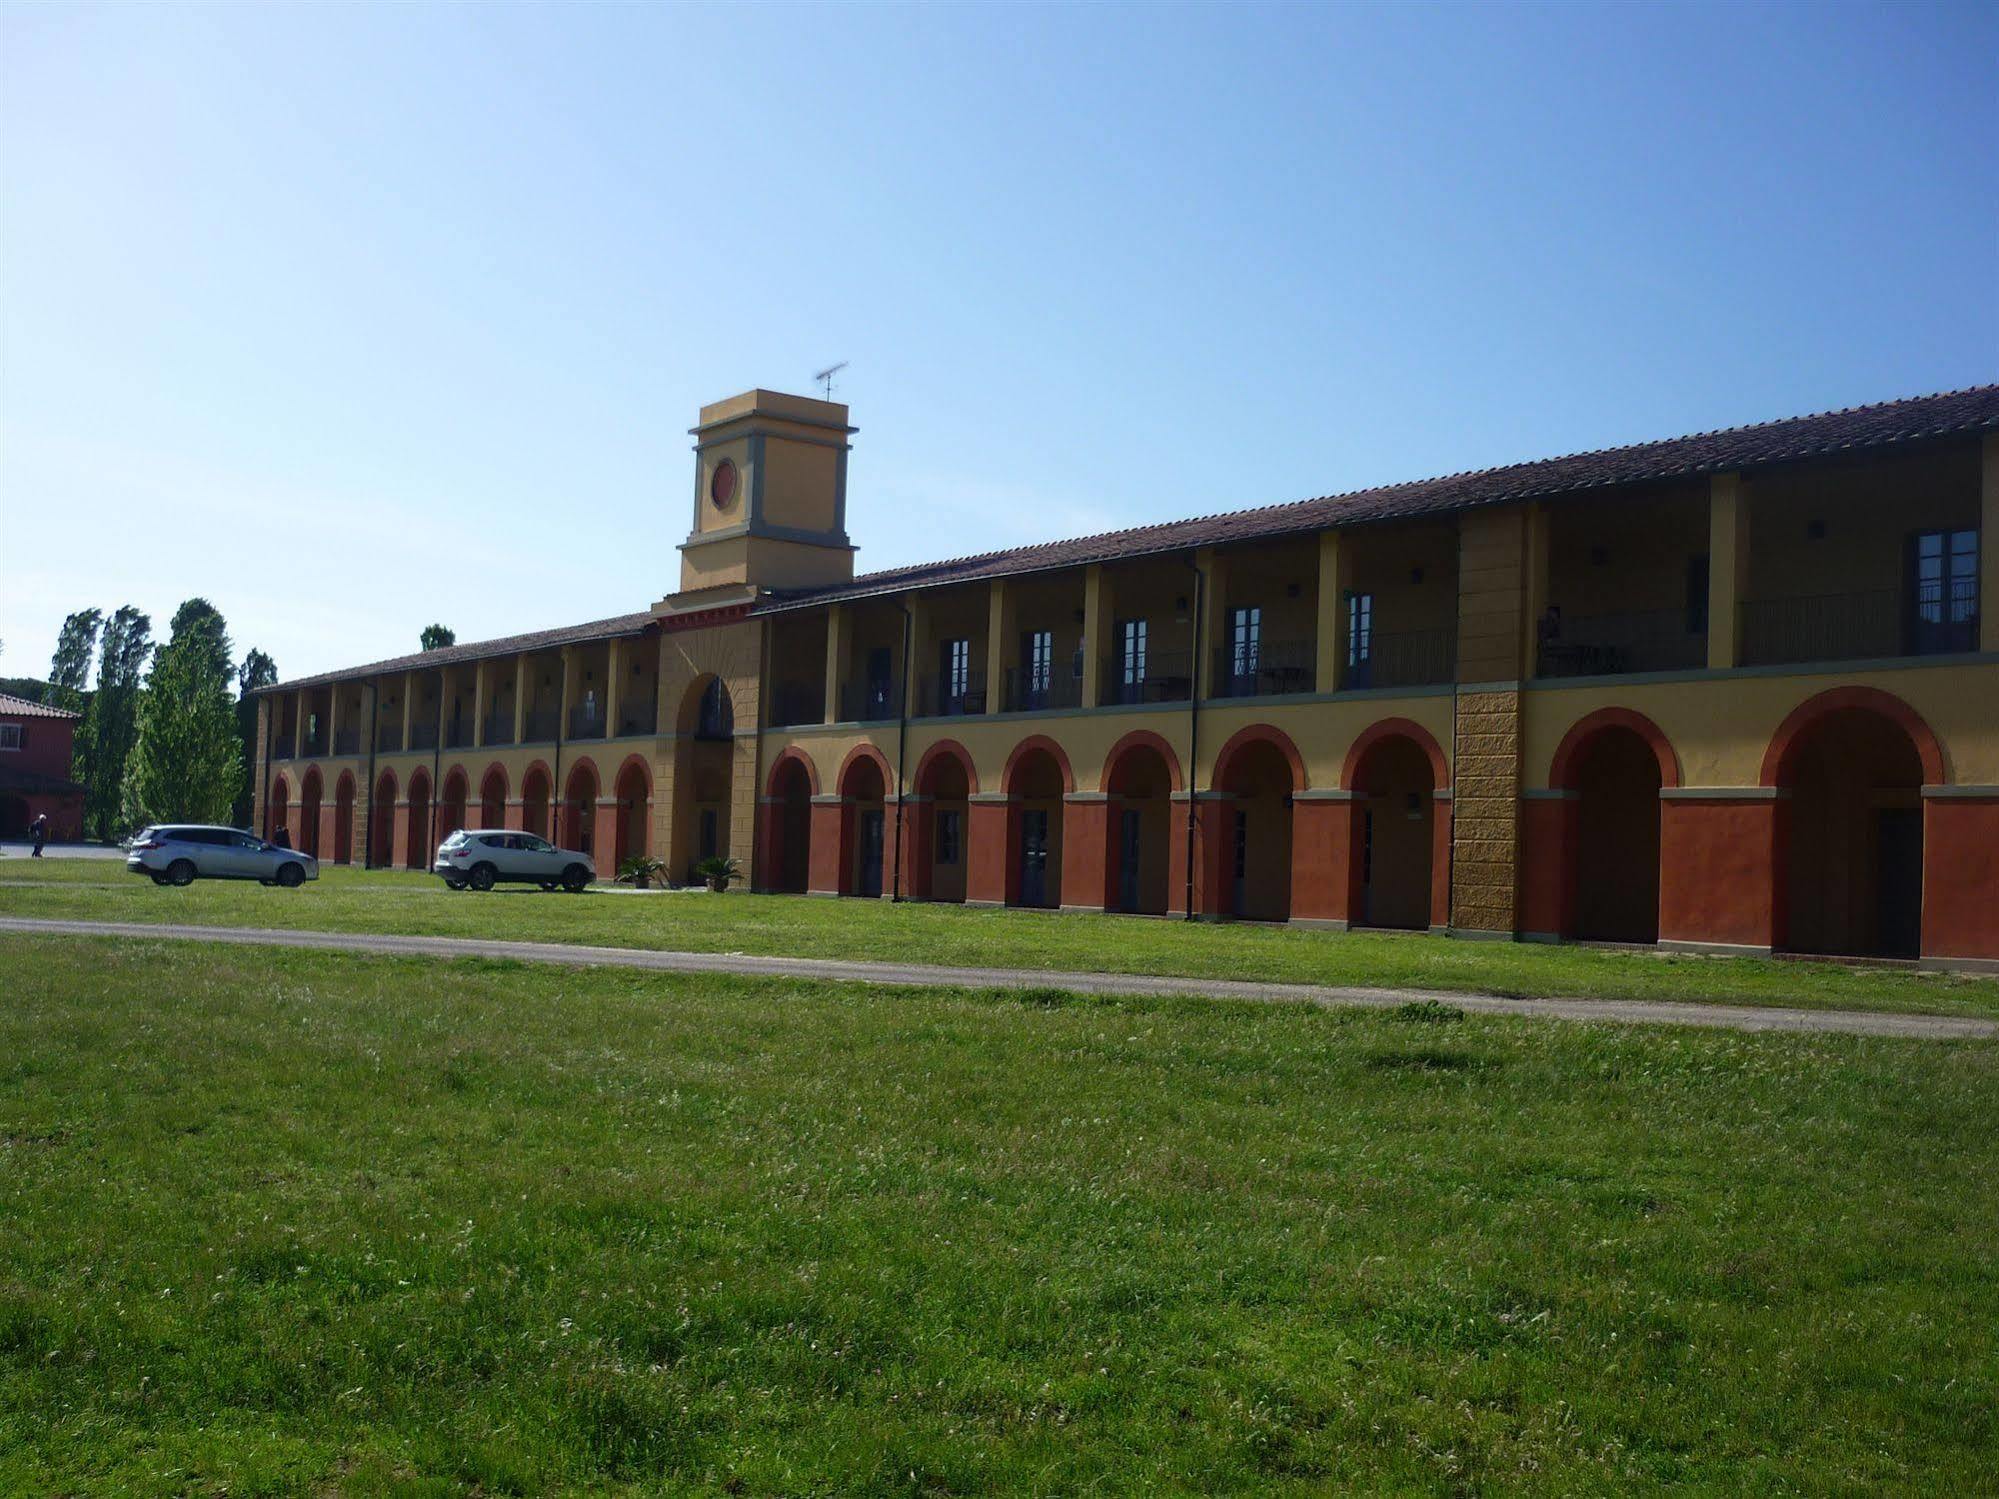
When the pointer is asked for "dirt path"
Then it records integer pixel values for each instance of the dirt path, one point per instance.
(1618, 1011)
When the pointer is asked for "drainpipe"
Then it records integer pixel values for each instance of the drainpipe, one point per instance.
(901, 751)
(270, 745)
(757, 813)
(374, 735)
(555, 801)
(436, 770)
(1194, 727)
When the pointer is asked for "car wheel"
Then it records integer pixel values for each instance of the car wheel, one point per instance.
(574, 878)
(159, 879)
(292, 876)
(180, 872)
(548, 884)
(451, 884)
(483, 876)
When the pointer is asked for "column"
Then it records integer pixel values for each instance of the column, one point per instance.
(825, 872)
(409, 708)
(1492, 636)
(1096, 639)
(303, 700)
(990, 876)
(1085, 851)
(836, 668)
(1988, 549)
(443, 708)
(1721, 868)
(613, 674)
(333, 727)
(1548, 861)
(1728, 568)
(1209, 813)
(919, 653)
(479, 704)
(1330, 650)
(1325, 858)
(1212, 624)
(999, 643)
(1534, 580)
(520, 699)
(1961, 862)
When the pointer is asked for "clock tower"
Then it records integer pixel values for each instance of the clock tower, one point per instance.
(770, 501)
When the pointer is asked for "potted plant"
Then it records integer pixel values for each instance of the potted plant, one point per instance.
(719, 872)
(641, 870)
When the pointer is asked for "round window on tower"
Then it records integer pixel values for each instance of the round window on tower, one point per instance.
(722, 485)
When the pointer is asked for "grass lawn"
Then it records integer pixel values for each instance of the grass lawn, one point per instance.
(381, 901)
(304, 1222)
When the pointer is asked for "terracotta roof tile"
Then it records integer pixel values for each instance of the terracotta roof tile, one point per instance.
(478, 650)
(20, 707)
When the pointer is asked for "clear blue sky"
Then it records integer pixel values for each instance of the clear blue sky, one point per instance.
(351, 319)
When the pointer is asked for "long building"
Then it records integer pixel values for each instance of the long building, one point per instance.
(1734, 692)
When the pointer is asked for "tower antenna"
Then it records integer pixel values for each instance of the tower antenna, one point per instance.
(825, 379)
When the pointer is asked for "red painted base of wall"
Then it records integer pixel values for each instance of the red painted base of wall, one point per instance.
(823, 873)
(1323, 873)
(1547, 862)
(1960, 877)
(1085, 854)
(1719, 872)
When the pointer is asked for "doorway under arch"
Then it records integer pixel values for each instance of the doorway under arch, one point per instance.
(382, 822)
(343, 818)
(579, 809)
(537, 790)
(1258, 770)
(1394, 834)
(311, 792)
(634, 795)
(1140, 777)
(704, 770)
(451, 806)
(416, 822)
(1036, 780)
(864, 850)
(493, 798)
(787, 864)
(941, 822)
(1851, 836)
(277, 812)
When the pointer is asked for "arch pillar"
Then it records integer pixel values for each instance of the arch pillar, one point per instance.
(1085, 841)
(829, 819)
(992, 829)
(1325, 855)
(1208, 812)
(1960, 876)
(1721, 868)
(909, 812)
(604, 834)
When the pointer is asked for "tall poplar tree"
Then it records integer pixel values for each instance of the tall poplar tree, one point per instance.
(257, 670)
(187, 765)
(110, 724)
(69, 670)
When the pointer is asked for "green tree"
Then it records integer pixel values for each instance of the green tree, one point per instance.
(187, 764)
(110, 722)
(69, 670)
(436, 638)
(257, 670)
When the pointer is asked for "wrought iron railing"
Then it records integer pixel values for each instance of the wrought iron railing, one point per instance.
(1404, 658)
(314, 746)
(389, 739)
(538, 725)
(281, 747)
(951, 694)
(865, 702)
(638, 718)
(1029, 692)
(423, 736)
(1160, 677)
(586, 723)
(458, 734)
(347, 742)
(792, 704)
(1591, 645)
(1270, 669)
(1829, 627)
(500, 727)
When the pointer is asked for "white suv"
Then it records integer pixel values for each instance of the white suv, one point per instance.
(484, 859)
(178, 854)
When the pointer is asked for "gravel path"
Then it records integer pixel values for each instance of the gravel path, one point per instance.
(1619, 1011)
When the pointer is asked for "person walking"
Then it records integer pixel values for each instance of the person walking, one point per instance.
(39, 830)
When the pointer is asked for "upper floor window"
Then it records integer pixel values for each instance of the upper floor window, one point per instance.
(1360, 629)
(716, 717)
(1131, 651)
(956, 666)
(1037, 659)
(1245, 640)
(13, 736)
(950, 838)
(1943, 592)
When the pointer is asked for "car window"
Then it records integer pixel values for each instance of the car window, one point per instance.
(536, 845)
(246, 840)
(199, 835)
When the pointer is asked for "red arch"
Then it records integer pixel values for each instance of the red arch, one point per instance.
(546, 774)
(1140, 739)
(855, 756)
(417, 775)
(791, 755)
(1779, 761)
(1396, 728)
(495, 769)
(281, 790)
(1259, 733)
(644, 768)
(581, 764)
(1026, 747)
(955, 750)
(1568, 754)
(312, 783)
(346, 783)
(386, 778)
(457, 772)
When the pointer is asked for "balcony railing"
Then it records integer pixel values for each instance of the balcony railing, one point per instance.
(1592, 645)
(389, 739)
(1404, 658)
(864, 702)
(586, 723)
(458, 734)
(1273, 668)
(951, 695)
(1844, 627)
(792, 704)
(638, 718)
(1161, 677)
(281, 747)
(1027, 692)
(500, 727)
(347, 742)
(540, 725)
(314, 746)
(423, 736)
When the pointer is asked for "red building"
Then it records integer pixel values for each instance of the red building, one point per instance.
(35, 744)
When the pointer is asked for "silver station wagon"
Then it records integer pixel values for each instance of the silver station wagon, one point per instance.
(181, 853)
(481, 860)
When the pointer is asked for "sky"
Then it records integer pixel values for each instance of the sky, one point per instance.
(351, 319)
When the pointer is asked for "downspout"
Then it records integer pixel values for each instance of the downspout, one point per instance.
(374, 738)
(1194, 728)
(436, 770)
(901, 750)
(270, 769)
(555, 776)
(757, 814)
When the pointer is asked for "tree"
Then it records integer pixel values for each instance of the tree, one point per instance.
(436, 638)
(69, 670)
(187, 765)
(257, 670)
(110, 723)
